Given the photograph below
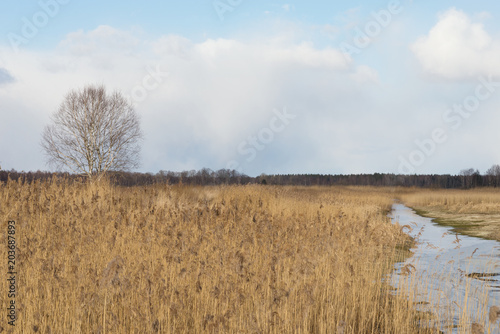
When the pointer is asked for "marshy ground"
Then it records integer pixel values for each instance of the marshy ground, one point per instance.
(474, 212)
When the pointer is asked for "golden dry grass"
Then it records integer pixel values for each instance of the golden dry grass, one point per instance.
(475, 212)
(95, 258)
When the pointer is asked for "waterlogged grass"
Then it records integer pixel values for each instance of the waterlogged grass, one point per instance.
(473, 212)
(95, 258)
(460, 223)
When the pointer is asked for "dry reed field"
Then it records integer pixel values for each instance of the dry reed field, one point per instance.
(97, 258)
(475, 212)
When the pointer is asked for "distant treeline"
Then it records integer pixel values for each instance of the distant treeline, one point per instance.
(468, 178)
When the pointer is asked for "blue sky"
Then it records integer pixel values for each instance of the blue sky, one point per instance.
(265, 87)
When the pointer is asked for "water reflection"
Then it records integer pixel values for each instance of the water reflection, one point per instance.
(455, 277)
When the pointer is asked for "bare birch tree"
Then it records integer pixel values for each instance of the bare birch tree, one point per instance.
(93, 132)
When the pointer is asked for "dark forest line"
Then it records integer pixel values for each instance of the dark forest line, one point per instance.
(468, 178)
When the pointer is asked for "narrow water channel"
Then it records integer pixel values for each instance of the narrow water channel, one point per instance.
(452, 276)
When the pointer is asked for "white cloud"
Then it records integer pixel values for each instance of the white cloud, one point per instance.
(457, 48)
(350, 18)
(104, 37)
(5, 76)
(218, 92)
(173, 45)
(331, 31)
(364, 74)
(483, 16)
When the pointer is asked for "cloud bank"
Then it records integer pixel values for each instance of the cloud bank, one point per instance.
(198, 101)
(214, 101)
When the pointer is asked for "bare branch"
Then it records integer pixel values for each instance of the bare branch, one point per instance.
(93, 132)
